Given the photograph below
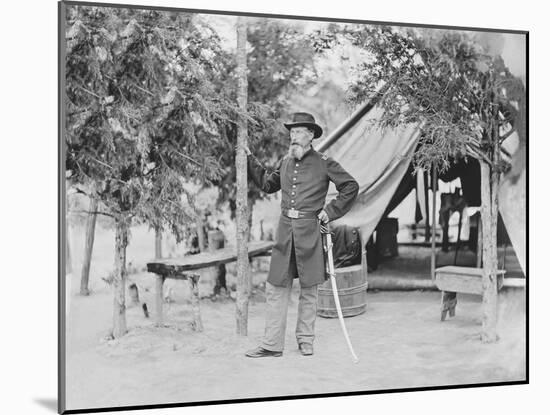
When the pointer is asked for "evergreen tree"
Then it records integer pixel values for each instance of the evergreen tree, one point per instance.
(143, 114)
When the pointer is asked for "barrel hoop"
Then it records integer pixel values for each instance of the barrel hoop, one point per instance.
(344, 309)
(344, 291)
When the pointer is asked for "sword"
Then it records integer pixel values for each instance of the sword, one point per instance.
(325, 231)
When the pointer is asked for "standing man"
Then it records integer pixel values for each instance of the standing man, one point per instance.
(303, 176)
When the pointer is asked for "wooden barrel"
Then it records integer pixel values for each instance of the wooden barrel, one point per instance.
(352, 292)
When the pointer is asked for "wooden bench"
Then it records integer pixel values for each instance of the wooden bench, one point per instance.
(182, 268)
(452, 280)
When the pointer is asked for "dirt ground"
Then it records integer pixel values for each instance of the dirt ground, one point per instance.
(400, 342)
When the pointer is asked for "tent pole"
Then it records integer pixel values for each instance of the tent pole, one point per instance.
(426, 207)
(434, 194)
(479, 252)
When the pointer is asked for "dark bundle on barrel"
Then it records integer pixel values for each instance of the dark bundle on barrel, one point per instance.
(346, 248)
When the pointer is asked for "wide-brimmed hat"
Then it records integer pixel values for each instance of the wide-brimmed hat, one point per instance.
(304, 119)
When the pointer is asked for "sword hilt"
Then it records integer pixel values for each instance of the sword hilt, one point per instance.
(325, 228)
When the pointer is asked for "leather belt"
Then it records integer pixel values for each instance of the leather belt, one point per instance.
(298, 214)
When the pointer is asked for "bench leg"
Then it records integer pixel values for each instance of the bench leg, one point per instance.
(194, 281)
(448, 304)
(443, 309)
(452, 308)
(159, 299)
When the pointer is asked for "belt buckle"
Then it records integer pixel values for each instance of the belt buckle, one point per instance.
(293, 213)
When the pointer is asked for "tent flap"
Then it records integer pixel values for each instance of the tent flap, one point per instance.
(378, 160)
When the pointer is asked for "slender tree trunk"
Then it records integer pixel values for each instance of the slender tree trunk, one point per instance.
(479, 247)
(243, 277)
(158, 243)
(89, 247)
(427, 206)
(119, 282)
(489, 281)
(434, 197)
(200, 232)
(489, 216)
(262, 233)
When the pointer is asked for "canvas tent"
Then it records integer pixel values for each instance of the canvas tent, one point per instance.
(380, 161)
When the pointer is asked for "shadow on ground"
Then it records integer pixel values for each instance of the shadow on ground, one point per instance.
(47, 403)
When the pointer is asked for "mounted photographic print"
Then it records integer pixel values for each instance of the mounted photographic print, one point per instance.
(262, 207)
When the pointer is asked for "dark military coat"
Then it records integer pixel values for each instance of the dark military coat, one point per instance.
(304, 184)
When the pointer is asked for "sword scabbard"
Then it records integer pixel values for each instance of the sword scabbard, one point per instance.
(327, 243)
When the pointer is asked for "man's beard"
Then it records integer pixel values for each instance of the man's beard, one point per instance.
(296, 151)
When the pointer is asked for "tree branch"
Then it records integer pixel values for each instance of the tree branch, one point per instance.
(102, 163)
(188, 158)
(79, 190)
(89, 92)
(143, 89)
(97, 212)
(477, 153)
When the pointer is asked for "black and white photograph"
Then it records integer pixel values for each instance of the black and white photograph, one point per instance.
(274, 207)
(261, 206)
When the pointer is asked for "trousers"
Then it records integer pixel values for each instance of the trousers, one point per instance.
(277, 299)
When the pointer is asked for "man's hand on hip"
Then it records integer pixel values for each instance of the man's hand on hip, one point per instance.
(323, 216)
